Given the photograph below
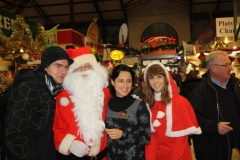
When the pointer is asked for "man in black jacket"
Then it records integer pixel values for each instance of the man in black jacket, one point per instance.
(216, 102)
(31, 108)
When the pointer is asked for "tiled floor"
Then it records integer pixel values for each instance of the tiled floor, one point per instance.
(235, 155)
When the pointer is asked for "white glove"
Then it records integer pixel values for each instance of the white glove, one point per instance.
(79, 148)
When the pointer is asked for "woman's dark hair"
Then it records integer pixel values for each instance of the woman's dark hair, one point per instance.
(115, 73)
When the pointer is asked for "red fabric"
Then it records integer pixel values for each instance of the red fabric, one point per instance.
(73, 53)
(64, 121)
(162, 147)
(169, 141)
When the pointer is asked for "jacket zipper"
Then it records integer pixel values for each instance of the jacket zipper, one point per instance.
(220, 115)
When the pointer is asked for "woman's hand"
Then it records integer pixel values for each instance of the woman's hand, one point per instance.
(114, 133)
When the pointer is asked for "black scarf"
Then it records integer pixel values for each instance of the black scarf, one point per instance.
(52, 86)
(117, 104)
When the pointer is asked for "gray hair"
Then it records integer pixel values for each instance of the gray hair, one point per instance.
(212, 57)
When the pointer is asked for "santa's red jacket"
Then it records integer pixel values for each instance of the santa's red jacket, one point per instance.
(65, 126)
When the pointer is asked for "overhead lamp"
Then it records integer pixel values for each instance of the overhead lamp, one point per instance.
(116, 55)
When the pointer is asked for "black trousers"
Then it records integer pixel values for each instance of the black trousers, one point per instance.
(100, 156)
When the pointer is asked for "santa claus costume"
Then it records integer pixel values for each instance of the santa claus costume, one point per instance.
(171, 124)
(81, 108)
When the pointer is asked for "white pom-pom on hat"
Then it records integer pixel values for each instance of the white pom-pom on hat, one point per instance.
(64, 101)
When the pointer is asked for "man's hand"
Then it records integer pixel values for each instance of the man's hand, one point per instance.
(114, 133)
(79, 148)
(223, 128)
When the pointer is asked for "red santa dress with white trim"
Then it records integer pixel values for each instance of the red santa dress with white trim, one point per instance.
(172, 123)
(65, 126)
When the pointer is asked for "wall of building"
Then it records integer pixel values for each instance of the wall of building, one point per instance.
(173, 13)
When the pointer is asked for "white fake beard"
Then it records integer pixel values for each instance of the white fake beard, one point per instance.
(86, 93)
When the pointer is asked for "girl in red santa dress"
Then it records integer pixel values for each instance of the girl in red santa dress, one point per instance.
(172, 116)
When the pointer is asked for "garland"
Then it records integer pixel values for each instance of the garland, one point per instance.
(132, 51)
(21, 37)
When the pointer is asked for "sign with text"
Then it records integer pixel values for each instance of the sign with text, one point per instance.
(7, 22)
(92, 35)
(224, 27)
(208, 35)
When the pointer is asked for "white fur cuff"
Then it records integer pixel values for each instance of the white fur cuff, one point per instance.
(66, 143)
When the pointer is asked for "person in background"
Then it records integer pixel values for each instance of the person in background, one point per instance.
(81, 109)
(70, 47)
(141, 90)
(128, 119)
(177, 77)
(190, 83)
(31, 107)
(216, 102)
(172, 116)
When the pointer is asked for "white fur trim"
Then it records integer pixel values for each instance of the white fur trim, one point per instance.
(83, 59)
(150, 113)
(64, 101)
(197, 131)
(66, 143)
(156, 123)
(135, 96)
(160, 114)
(168, 114)
(169, 118)
(171, 133)
(94, 150)
(188, 131)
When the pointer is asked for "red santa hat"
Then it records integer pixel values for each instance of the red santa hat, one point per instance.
(81, 56)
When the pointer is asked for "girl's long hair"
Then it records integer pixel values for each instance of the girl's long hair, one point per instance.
(155, 70)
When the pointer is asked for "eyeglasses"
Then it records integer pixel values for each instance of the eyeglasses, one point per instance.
(87, 66)
(83, 68)
(224, 65)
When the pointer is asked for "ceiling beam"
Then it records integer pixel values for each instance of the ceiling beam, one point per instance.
(85, 25)
(72, 20)
(41, 13)
(190, 16)
(95, 4)
(79, 13)
(62, 4)
(101, 22)
(21, 5)
(205, 15)
(9, 5)
(212, 2)
(124, 11)
(218, 6)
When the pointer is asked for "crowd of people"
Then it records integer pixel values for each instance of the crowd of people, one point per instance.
(70, 109)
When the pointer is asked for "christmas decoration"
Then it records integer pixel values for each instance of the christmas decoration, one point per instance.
(116, 55)
(21, 37)
(131, 51)
(25, 56)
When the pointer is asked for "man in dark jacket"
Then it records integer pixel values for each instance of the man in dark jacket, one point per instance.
(31, 108)
(216, 101)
